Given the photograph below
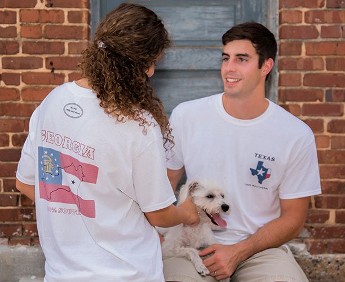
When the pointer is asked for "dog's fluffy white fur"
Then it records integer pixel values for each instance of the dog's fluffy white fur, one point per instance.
(187, 241)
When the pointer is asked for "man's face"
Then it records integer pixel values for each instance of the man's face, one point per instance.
(240, 69)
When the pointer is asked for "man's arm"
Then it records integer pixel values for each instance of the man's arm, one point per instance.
(28, 190)
(273, 234)
(175, 177)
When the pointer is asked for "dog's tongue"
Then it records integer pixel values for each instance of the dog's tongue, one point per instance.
(221, 222)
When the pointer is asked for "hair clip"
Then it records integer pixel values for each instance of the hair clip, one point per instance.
(101, 44)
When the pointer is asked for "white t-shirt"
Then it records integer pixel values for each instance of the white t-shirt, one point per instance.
(257, 161)
(94, 177)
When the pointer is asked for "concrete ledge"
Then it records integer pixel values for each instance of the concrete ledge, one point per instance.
(26, 264)
(319, 268)
(21, 263)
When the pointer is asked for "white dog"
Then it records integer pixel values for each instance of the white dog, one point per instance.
(187, 241)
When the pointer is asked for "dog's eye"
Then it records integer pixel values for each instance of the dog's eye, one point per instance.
(210, 196)
(222, 196)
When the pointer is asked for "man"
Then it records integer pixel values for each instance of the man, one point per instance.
(264, 157)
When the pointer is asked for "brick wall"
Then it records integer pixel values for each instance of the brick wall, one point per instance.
(40, 43)
(311, 86)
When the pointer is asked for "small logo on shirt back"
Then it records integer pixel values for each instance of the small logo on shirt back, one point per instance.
(73, 110)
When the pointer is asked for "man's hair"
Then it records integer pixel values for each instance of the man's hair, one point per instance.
(262, 39)
(129, 40)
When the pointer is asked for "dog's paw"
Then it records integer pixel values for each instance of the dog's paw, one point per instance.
(202, 270)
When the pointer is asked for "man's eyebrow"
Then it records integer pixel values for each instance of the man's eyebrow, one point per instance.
(237, 55)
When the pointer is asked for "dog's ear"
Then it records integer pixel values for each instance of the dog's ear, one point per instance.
(186, 190)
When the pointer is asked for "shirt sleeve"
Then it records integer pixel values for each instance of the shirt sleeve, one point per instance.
(302, 178)
(174, 155)
(151, 184)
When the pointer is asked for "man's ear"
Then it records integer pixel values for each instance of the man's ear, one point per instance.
(267, 66)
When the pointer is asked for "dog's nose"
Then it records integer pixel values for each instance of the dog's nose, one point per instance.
(225, 207)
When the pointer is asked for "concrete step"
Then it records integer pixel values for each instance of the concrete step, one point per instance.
(26, 264)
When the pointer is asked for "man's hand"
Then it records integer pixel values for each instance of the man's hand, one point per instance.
(222, 261)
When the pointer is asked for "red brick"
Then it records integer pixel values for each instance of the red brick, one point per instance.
(63, 63)
(11, 125)
(333, 186)
(331, 157)
(22, 62)
(300, 95)
(290, 79)
(336, 246)
(316, 125)
(290, 17)
(43, 47)
(317, 216)
(25, 201)
(338, 142)
(9, 230)
(9, 47)
(30, 229)
(78, 16)
(31, 31)
(10, 155)
(316, 246)
(324, 79)
(298, 32)
(14, 241)
(336, 126)
(335, 4)
(43, 78)
(8, 32)
(10, 78)
(4, 140)
(9, 94)
(321, 109)
(65, 32)
(20, 4)
(10, 185)
(8, 17)
(333, 31)
(340, 216)
(67, 4)
(327, 232)
(335, 95)
(9, 200)
(16, 109)
(322, 141)
(324, 16)
(333, 48)
(42, 16)
(35, 93)
(75, 48)
(74, 76)
(335, 64)
(18, 139)
(8, 170)
(332, 172)
(293, 109)
(289, 48)
(286, 63)
(301, 3)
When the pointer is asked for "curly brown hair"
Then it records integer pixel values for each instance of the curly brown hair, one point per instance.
(127, 42)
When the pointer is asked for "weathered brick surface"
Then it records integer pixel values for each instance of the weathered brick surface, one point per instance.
(40, 46)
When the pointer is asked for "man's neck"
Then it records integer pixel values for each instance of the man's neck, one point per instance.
(244, 108)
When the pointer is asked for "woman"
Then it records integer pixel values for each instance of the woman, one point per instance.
(94, 160)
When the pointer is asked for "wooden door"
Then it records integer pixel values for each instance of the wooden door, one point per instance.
(191, 68)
